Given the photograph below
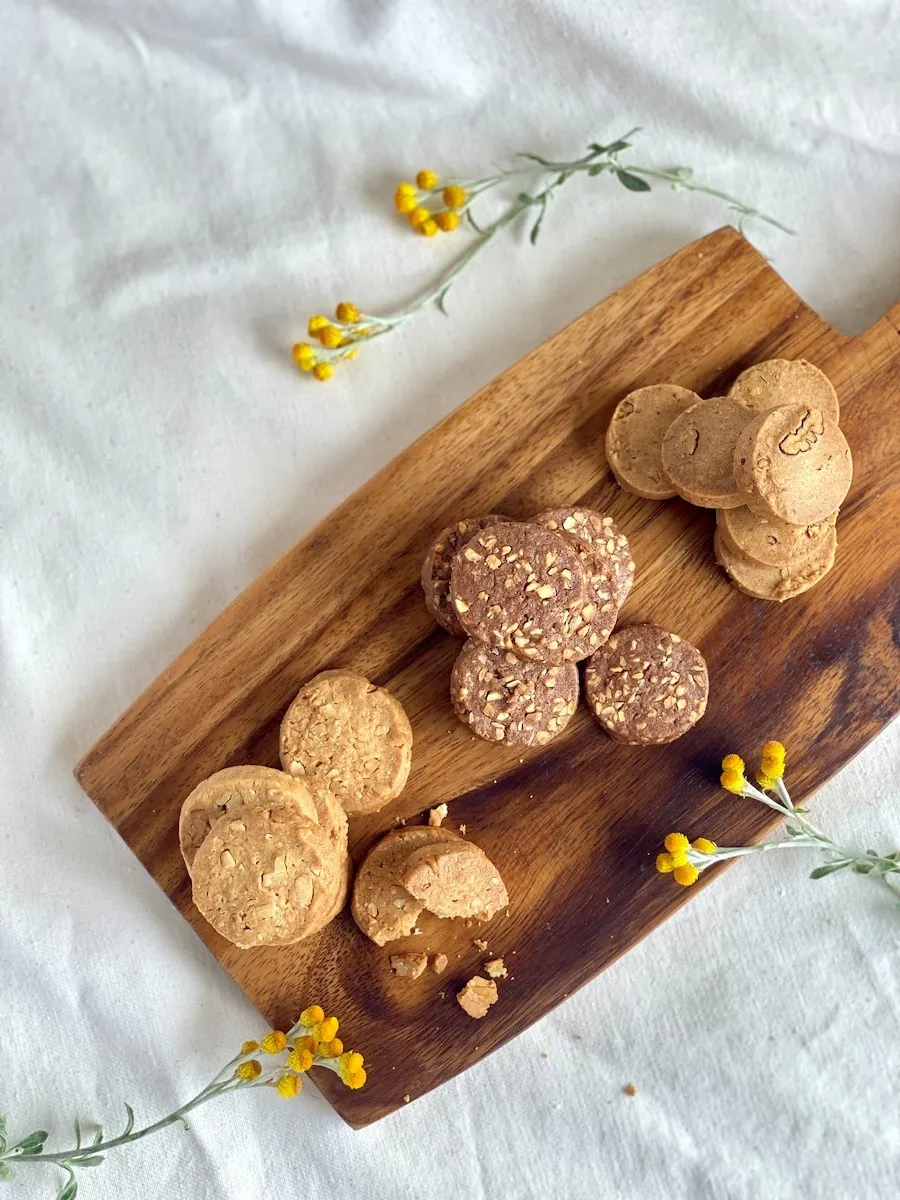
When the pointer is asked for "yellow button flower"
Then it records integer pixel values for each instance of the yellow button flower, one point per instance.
(733, 781)
(704, 846)
(732, 762)
(417, 216)
(447, 220)
(428, 228)
(347, 312)
(766, 782)
(304, 355)
(330, 336)
(679, 858)
(274, 1042)
(323, 371)
(675, 842)
(332, 1049)
(316, 323)
(328, 1029)
(350, 1069)
(249, 1070)
(356, 1080)
(427, 180)
(664, 864)
(289, 1086)
(314, 1015)
(774, 750)
(405, 197)
(249, 1047)
(454, 196)
(300, 1059)
(686, 875)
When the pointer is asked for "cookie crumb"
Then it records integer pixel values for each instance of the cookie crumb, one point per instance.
(462, 830)
(629, 1089)
(410, 966)
(417, 932)
(437, 816)
(496, 969)
(477, 997)
(480, 943)
(406, 1098)
(442, 995)
(439, 964)
(544, 1054)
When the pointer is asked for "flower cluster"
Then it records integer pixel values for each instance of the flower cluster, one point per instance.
(412, 200)
(337, 340)
(312, 1042)
(678, 860)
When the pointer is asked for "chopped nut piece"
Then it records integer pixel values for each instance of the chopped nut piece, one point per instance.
(406, 1098)
(410, 966)
(437, 815)
(629, 1089)
(462, 830)
(496, 968)
(480, 943)
(439, 964)
(477, 997)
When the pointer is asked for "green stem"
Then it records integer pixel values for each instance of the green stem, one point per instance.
(679, 179)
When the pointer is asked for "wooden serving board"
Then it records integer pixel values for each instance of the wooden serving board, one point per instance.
(573, 827)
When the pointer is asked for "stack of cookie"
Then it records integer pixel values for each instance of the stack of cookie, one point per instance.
(267, 850)
(769, 457)
(420, 868)
(534, 598)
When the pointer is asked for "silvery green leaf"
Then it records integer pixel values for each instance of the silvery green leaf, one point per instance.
(98, 1136)
(33, 1143)
(69, 1189)
(473, 222)
(130, 1123)
(93, 1160)
(827, 869)
(598, 168)
(793, 831)
(6, 1173)
(634, 183)
(862, 868)
(2, 1134)
(77, 1134)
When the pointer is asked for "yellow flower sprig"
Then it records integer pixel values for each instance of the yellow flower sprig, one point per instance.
(278, 1060)
(685, 860)
(432, 205)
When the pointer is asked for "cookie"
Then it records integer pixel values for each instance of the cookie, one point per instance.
(793, 463)
(503, 698)
(231, 790)
(698, 452)
(329, 812)
(522, 589)
(454, 881)
(352, 736)
(771, 542)
(777, 583)
(437, 564)
(781, 381)
(646, 686)
(610, 551)
(266, 877)
(635, 434)
(382, 909)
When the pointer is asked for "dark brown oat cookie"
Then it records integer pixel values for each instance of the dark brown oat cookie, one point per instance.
(646, 686)
(522, 589)
(437, 564)
(635, 434)
(698, 450)
(502, 698)
(610, 551)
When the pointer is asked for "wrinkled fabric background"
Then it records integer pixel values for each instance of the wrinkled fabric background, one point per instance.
(181, 184)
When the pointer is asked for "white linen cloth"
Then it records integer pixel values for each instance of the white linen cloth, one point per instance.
(181, 185)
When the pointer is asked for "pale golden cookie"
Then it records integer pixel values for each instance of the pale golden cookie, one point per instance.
(793, 463)
(771, 542)
(781, 381)
(776, 583)
(635, 434)
(454, 881)
(329, 812)
(698, 452)
(382, 909)
(352, 736)
(231, 790)
(266, 877)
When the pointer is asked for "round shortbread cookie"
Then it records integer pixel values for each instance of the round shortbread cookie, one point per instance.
(793, 463)
(521, 588)
(454, 881)
(776, 583)
(266, 877)
(771, 542)
(350, 735)
(646, 686)
(503, 698)
(698, 452)
(609, 545)
(231, 790)
(782, 381)
(635, 434)
(437, 564)
(382, 909)
(329, 812)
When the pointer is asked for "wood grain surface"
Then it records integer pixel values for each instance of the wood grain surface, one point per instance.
(573, 827)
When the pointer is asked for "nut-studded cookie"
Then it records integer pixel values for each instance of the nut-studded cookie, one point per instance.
(635, 434)
(437, 564)
(457, 880)
(771, 542)
(777, 583)
(793, 463)
(605, 556)
(781, 381)
(352, 736)
(504, 698)
(522, 589)
(231, 790)
(266, 877)
(698, 452)
(329, 812)
(382, 909)
(646, 686)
